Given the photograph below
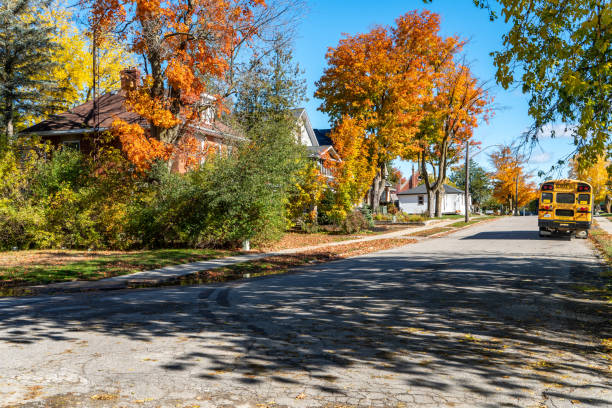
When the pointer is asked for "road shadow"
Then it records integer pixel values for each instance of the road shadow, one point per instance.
(515, 236)
(428, 323)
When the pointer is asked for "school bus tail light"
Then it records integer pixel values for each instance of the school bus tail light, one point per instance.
(583, 188)
(583, 210)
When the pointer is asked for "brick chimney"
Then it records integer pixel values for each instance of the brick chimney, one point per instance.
(130, 78)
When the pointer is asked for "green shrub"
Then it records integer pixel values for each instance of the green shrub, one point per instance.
(366, 211)
(20, 227)
(354, 222)
(403, 217)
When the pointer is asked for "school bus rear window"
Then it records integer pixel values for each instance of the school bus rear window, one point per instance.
(565, 198)
(584, 198)
(547, 196)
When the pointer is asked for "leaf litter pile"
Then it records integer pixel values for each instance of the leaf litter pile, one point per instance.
(280, 264)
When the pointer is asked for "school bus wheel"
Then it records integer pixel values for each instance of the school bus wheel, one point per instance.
(582, 234)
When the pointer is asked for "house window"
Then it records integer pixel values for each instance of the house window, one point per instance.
(421, 200)
(72, 144)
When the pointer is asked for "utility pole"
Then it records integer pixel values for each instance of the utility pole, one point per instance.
(467, 181)
(516, 195)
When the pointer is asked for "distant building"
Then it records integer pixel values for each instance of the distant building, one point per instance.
(77, 128)
(317, 142)
(414, 200)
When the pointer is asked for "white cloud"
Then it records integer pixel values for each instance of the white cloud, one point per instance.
(540, 158)
(561, 130)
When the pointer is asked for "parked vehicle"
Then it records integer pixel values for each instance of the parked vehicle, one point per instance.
(565, 207)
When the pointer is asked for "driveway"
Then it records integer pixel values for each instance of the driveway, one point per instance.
(485, 317)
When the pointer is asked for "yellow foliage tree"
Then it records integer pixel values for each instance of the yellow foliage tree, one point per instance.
(74, 68)
(307, 192)
(510, 177)
(597, 176)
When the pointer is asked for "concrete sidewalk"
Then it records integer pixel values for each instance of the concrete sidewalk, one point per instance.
(176, 271)
(604, 224)
(157, 276)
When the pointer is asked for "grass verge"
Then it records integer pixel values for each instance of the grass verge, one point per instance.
(23, 268)
(461, 224)
(429, 232)
(603, 242)
(273, 265)
(283, 263)
(299, 239)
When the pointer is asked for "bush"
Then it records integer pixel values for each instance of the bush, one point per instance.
(367, 215)
(74, 201)
(354, 222)
(20, 227)
(403, 217)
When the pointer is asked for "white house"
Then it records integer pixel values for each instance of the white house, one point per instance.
(414, 200)
(317, 142)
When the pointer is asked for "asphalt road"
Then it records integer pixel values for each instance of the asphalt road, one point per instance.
(485, 317)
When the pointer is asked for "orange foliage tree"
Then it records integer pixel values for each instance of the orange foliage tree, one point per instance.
(185, 44)
(457, 103)
(377, 83)
(509, 173)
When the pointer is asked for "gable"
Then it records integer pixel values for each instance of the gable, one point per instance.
(306, 134)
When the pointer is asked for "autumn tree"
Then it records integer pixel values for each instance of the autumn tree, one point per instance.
(559, 52)
(354, 173)
(72, 57)
(374, 88)
(597, 176)
(458, 103)
(511, 183)
(26, 49)
(396, 177)
(188, 47)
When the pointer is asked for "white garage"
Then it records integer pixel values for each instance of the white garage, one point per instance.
(414, 201)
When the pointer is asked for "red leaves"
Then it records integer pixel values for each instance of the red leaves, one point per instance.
(141, 150)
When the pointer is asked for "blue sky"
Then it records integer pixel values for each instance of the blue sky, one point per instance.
(327, 20)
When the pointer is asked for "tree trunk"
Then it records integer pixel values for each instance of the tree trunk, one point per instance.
(430, 203)
(376, 190)
(10, 131)
(439, 201)
(608, 203)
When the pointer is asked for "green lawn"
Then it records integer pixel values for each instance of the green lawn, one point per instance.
(463, 223)
(429, 232)
(460, 224)
(21, 268)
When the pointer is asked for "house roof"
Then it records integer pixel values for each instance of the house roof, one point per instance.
(322, 136)
(421, 189)
(318, 151)
(111, 106)
(81, 118)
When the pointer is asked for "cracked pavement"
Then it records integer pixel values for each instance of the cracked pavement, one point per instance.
(484, 317)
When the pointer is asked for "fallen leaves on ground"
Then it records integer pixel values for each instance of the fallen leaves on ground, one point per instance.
(429, 232)
(104, 397)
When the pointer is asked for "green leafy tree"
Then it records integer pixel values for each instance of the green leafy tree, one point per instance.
(480, 185)
(559, 51)
(271, 86)
(26, 50)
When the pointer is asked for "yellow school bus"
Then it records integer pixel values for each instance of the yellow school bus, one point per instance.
(565, 207)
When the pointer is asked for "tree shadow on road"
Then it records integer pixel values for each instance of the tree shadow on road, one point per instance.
(514, 235)
(495, 327)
